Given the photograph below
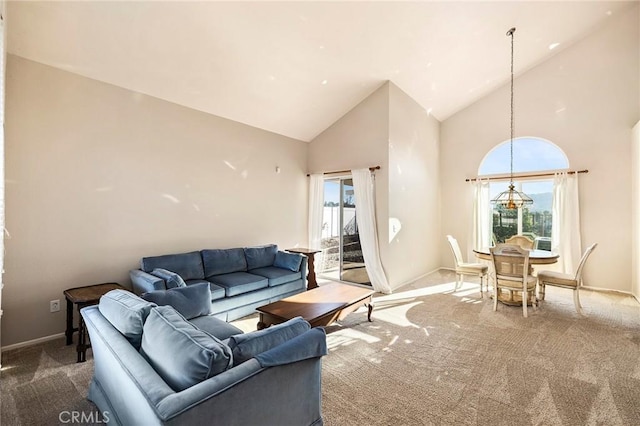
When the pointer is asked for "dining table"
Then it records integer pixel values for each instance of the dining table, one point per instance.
(536, 257)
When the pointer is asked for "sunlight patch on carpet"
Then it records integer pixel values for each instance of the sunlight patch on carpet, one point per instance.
(396, 314)
(348, 337)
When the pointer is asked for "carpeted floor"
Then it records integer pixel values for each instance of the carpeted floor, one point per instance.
(430, 356)
(43, 385)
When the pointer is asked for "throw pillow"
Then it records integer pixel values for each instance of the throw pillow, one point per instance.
(179, 352)
(171, 279)
(246, 346)
(127, 313)
(290, 261)
(191, 301)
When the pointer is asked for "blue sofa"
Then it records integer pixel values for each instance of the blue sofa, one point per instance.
(153, 366)
(240, 279)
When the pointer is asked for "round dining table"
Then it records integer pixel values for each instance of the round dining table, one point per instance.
(536, 257)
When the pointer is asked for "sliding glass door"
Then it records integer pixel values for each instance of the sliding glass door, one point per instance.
(340, 238)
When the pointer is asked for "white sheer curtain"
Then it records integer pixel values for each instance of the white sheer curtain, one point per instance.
(363, 187)
(565, 225)
(482, 215)
(316, 208)
(3, 57)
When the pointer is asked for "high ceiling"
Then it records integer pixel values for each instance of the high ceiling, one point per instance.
(294, 68)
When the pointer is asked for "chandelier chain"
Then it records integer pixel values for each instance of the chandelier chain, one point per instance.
(512, 198)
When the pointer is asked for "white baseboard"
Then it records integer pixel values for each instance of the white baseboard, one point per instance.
(586, 287)
(608, 290)
(32, 342)
(416, 278)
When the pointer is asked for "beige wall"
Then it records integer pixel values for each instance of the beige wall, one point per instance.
(99, 176)
(635, 212)
(358, 140)
(391, 130)
(585, 100)
(414, 194)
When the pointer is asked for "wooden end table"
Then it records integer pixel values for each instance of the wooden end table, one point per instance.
(82, 297)
(309, 253)
(320, 306)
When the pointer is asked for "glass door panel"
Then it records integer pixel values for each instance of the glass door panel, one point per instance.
(342, 254)
(351, 261)
(330, 242)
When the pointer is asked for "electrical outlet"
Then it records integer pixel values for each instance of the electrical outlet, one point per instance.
(54, 305)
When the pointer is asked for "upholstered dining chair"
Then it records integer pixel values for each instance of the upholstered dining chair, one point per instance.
(573, 282)
(520, 240)
(466, 268)
(511, 264)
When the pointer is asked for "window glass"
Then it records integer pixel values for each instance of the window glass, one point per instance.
(533, 221)
(529, 155)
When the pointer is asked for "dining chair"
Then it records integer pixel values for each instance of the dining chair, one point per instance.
(511, 265)
(573, 282)
(520, 240)
(466, 268)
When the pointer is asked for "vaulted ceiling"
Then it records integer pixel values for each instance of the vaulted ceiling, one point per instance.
(294, 68)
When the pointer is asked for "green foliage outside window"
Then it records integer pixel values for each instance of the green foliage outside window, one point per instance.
(534, 223)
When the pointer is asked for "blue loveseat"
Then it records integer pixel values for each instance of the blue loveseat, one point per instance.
(240, 279)
(155, 366)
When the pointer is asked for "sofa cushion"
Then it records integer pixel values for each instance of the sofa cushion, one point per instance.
(171, 279)
(276, 276)
(259, 257)
(217, 292)
(191, 301)
(187, 265)
(127, 313)
(290, 261)
(240, 282)
(179, 352)
(246, 346)
(225, 261)
(216, 327)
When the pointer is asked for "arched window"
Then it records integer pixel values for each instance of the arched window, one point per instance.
(530, 155)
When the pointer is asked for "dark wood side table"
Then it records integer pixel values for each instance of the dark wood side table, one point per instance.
(81, 297)
(310, 253)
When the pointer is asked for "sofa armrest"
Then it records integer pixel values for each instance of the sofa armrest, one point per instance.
(129, 388)
(225, 396)
(311, 344)
(144, 282)
(179, 402)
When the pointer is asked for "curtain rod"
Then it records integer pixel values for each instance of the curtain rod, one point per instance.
(372, 168)
(507, 177)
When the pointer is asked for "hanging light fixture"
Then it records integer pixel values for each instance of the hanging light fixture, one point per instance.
(511, 199)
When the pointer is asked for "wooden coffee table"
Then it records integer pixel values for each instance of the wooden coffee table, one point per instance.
(320, 306)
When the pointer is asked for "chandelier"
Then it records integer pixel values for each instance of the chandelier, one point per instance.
(511, 198)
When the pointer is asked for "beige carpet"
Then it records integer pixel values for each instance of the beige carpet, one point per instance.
(430, 356)
(436, 357)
